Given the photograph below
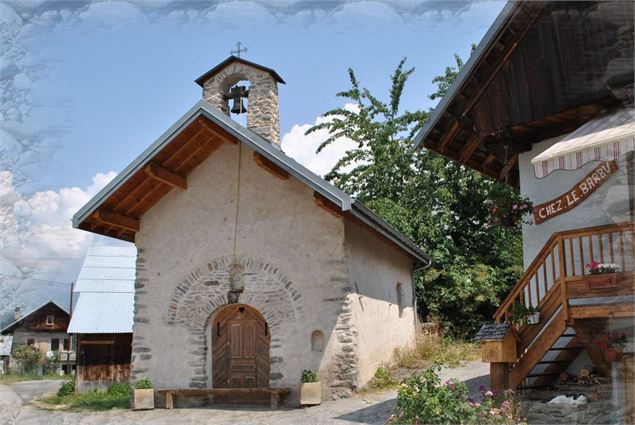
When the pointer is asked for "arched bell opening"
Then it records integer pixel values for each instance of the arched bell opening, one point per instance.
(240, 348)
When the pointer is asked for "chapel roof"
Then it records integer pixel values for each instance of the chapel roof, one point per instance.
(116, 210)
(542, 69)
(224, 64)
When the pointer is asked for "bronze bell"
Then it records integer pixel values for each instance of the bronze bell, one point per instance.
(238, 107)
(237, 93)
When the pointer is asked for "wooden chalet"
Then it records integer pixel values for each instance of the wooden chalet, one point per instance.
(545, 104)
(44, 327)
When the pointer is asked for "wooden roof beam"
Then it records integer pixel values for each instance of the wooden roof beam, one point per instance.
(166, 176)
(470, 146)
(510, 164)
(270, 166)
(118, 220)
(215, 132)
(488, 161)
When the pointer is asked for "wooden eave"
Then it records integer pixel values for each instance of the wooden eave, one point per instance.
(119, 215)
(526, 84)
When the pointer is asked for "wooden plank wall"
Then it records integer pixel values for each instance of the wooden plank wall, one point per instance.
(102, 360)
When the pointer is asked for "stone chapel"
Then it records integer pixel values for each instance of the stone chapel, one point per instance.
(250, 267)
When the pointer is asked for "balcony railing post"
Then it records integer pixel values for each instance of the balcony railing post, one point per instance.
(563, 278)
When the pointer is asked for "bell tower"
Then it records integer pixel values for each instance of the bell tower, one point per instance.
(220, 86)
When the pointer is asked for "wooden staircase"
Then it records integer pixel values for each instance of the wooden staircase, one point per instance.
(556, 282)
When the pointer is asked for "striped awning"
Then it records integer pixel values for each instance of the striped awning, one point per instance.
(602, 139)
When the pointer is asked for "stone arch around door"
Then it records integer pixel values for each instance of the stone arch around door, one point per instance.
(207, 289)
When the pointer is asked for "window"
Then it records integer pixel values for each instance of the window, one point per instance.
(55, 344)
(67, 344)
(49, 320)
(30, 341)
(399, 298)
(317, 341)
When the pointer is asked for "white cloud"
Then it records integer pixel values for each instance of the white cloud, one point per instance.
(40, 252)
(302, 147)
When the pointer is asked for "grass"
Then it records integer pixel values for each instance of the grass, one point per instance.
(11, 378)
(430, 349)
(427, 350)
(117, 396)
(92, 400)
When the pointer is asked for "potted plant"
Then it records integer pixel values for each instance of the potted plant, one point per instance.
(602, 275)
(533, 315)
(143, 395)
(612, 345)
(519, 315)
(310, 388)
(507, 208)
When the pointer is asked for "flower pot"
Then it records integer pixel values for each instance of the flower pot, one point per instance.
(613, 354)
(144, 399)
(310, 393)
(601, 281)
(533, 318)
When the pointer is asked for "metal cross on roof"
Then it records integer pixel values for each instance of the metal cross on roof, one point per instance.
(238, 50)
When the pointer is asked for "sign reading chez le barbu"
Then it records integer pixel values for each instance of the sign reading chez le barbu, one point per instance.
(577, 194)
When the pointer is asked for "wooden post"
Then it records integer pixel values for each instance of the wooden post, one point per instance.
(563, 279)
(169, 401)
(499, 376)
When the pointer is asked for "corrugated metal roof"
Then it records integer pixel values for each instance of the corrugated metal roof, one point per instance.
(105, 291)
(102, 312)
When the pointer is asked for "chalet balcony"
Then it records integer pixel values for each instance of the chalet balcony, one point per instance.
(574, 304)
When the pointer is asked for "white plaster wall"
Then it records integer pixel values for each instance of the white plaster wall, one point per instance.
(376, 267)
(604, 206)
(278, 223)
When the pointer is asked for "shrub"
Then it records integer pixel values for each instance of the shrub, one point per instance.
(383, 378)
(431, 349)
(423, 399)
(119, 389)
(308, 376)
(67, 388)
(28, 358)
(143, 384)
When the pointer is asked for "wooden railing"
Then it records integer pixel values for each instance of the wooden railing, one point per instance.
(566, 255)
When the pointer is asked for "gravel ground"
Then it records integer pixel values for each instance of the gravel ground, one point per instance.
(369, 409)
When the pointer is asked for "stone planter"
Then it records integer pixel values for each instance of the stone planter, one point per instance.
(613, 354)
(533, 318)
(602, 281)
(144, 399)
(310, 393)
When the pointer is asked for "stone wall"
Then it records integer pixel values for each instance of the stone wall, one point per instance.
(263, 109)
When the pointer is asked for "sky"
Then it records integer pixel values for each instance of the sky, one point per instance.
(85, 87)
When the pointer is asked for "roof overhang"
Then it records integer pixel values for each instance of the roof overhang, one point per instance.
(224, 64)
(117, 209)
(536, 74)
(11, 326)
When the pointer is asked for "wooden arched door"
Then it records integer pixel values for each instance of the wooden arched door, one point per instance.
(240, 348)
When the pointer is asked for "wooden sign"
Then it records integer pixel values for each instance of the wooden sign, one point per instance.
(577, 194)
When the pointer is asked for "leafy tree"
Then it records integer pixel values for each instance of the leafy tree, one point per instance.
(27, 357)
(439, 204)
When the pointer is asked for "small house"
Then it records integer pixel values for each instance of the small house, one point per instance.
(44, 327)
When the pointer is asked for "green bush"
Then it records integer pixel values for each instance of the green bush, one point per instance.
(308, 376)
(423, 399)
(28, 358)
(383, 378)
(143, 384)
(67, 388)
(119, 389)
